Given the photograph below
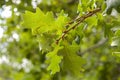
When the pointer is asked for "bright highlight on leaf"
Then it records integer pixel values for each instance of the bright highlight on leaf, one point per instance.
(41, 23)
(54, 60)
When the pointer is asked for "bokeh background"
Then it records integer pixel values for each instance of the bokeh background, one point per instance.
(21, 59)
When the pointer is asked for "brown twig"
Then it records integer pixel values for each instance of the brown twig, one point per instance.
(78, 20)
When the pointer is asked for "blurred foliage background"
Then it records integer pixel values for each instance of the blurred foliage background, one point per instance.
(21, 58)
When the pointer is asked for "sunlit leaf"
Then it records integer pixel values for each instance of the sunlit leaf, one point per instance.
(54, 60)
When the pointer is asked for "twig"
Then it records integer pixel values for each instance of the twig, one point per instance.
(100, 43)
(78, 20)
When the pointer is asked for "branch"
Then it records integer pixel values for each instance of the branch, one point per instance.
(99, 44)
(78, 20)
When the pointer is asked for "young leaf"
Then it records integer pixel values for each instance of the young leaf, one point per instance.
(38, 21)
(61, 21)
(92, 21)
(41, 23)
(54, 60)
(31, 20)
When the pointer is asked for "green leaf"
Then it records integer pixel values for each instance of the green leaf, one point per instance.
(92, 21)
(44, 43)
(38, 21)
(61, 21)
(71, 61)
(41, 23)
(31, 20)
(108, 32)
(54, 60)
(117, 33)
(85, 5)
(117, 54)
(79, 8)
